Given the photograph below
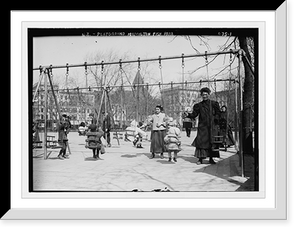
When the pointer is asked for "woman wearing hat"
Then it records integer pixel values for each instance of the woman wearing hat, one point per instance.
(208, 112)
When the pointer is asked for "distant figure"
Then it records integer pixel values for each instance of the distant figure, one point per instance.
(35, 130)
(63, 130)
(225, 127)
(93, 141)
(106, 126)
(188, 123)
(173, 144)
(82, 129)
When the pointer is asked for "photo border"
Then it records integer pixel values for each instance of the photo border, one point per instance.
(189, 208)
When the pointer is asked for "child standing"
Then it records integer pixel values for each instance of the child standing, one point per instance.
(173, 144)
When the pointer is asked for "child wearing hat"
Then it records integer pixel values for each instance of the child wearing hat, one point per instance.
(93, 141)
(172, 142)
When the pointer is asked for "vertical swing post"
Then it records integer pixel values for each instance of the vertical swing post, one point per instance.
(147, 99)
(183, 92)
(241, 154)
(45, 113)
(236, 116)
(105, 111)
(138, 91)
(102, 97)
(121, 94)
(38, 85)
(53, 93)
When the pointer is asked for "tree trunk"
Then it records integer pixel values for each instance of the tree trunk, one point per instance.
(248, 99)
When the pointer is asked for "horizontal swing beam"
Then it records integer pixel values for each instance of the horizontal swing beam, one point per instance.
(233, 51)
(147, 84)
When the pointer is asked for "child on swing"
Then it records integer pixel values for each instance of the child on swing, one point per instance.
(172, 142)
(93, 141)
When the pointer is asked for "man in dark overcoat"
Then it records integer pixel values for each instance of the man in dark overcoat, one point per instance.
(106, 127)
(208, 112)
(63, 130)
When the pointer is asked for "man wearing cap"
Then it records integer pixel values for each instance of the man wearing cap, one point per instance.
(208, 112)
(63, 129)
(187, 123)
(106, 126)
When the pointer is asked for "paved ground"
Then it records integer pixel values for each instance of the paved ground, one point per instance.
(125, 168)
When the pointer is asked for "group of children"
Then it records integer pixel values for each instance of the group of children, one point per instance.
(135, 134)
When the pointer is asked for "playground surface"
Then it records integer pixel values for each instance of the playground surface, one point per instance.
(126, 168)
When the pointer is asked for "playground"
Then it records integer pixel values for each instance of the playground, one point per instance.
(125, 92)
(127, 168)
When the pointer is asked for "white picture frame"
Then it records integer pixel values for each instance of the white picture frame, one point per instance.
(269, 203)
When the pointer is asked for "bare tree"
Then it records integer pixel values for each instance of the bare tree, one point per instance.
(120, 98)
(247, 44)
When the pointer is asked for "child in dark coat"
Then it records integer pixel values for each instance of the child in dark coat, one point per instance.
(93, 141)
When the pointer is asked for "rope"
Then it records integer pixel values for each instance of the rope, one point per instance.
(161, 78)
(206, 65)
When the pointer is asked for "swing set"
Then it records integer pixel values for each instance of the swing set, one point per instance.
(46, 73)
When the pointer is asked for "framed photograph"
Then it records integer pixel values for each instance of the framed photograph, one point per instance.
(148, 119)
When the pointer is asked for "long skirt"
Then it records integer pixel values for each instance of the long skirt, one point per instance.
(187, 124)
(202, 142)
(203, 153)
(157, 141)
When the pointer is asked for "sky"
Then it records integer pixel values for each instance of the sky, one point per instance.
(59, 50)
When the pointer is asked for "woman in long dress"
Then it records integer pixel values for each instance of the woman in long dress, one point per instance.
(158, 132)
(208, 112)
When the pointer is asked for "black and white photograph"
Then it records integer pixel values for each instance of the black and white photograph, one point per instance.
(149, 115)
(143, 109)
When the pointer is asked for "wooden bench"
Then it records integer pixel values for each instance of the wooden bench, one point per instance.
(118, 135)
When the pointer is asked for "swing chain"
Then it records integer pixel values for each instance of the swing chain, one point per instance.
(139, 64)
(67, 65)
(41, 69)
(102, 67)
(85, 69)
(159, 62)
(67, 73)
(206, 59)
(50, 70)
(120, 64)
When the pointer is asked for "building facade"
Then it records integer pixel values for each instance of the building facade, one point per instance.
(75, 103)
